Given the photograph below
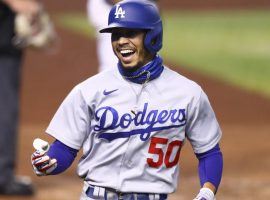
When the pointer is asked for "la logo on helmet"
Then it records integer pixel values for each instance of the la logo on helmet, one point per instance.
(119, 11)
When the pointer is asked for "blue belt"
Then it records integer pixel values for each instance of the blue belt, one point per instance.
(95, 192)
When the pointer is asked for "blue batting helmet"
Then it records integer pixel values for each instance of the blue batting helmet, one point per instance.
(138, 14)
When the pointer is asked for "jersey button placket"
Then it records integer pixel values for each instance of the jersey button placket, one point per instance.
(126, 161)
(133, 139)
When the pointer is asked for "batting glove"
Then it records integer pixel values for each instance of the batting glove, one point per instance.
(205, 194)
(42, 164)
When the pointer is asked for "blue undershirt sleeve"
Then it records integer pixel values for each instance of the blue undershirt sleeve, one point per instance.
(64, 155)
(210, 166)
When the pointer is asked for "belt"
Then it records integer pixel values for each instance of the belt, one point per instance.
(101, 193)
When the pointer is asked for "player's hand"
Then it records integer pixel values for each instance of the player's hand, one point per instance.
(205, 194)
(42, 164)
(36, 32)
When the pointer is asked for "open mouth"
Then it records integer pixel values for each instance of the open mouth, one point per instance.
(127, 52)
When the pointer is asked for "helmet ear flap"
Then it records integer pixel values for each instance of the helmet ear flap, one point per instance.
(153, 39)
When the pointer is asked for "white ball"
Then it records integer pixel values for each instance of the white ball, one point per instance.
(41, 145)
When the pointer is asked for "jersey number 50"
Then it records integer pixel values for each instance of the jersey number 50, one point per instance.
(154, 149)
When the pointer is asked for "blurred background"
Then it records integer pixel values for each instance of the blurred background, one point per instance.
(223, 45)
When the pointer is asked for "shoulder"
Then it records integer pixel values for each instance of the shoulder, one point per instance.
(98, 79)
(180, 83)
(96, 83)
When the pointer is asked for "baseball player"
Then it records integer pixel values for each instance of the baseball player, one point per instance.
(105, 53)
(132, 121)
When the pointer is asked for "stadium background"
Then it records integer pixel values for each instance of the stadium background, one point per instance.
(244, 115)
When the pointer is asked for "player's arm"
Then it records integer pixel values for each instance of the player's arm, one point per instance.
(30, 7)
(210, 172)
(204, 134)
(68, 127)
(56, 160)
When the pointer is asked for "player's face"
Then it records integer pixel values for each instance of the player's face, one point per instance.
(128, 46)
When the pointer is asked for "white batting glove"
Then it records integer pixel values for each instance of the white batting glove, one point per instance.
(41, 162)
(205, 194)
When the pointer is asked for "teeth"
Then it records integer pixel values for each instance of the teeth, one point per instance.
(126, 51)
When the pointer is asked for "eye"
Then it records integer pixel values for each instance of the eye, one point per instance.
(115, 36)
(127, 33)
(131, 34)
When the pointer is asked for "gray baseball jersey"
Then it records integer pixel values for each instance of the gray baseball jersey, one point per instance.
(132, 134)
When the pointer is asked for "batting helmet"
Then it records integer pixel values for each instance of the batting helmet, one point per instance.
(138, 14)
